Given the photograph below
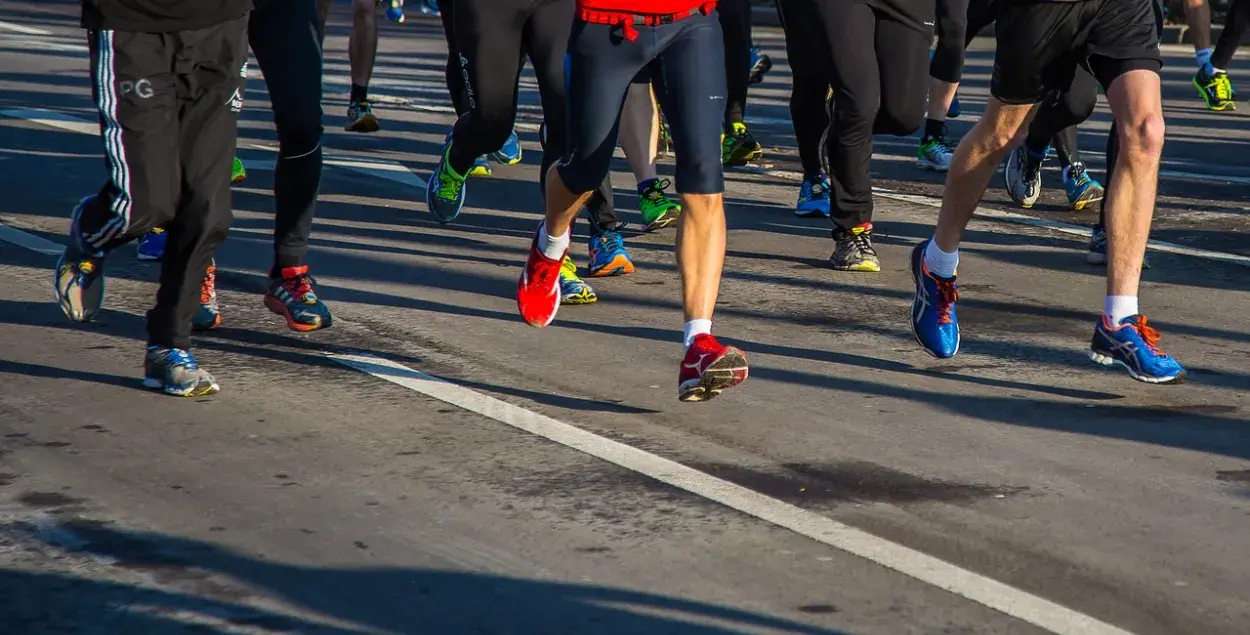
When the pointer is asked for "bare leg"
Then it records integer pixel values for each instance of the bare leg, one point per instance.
(562, 205)
(323, 14)
(978, 155)
(1135, 103)
(362, 49)
(701, 253)
(941, 94)
(640, 131)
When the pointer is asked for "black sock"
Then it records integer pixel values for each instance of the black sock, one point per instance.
(934, 129)
(359, 93)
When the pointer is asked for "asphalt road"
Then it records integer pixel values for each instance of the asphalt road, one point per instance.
(551, 483)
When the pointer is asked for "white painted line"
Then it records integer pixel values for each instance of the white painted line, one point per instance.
(978, 588)
(55, 119)
(30, 241)
(1025, 219)
(18, 28)
(1199, 176)
(381, 168)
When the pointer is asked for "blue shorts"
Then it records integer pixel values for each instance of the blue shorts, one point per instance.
(687, 60)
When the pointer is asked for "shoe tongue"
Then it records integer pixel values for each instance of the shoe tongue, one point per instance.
(861, 228)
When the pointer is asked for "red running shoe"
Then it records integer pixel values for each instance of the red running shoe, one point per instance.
(709, 368)
(538, 290)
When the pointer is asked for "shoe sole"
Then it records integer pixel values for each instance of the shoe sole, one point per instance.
(200, 390)
(235, 180)
(367, 123)
(861, 267)
(618, 267)
(810, 214)
(1109, 361)
(665, 219)
(273, 304)
(932, 167)
(505, 160)
(728, 371)
(1087, 198)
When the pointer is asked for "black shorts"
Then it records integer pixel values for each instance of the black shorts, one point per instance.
(1040, 44)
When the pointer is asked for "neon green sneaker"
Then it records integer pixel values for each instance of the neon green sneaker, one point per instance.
(574, 290)
(238, 174)
(658, 210)
(738, 147)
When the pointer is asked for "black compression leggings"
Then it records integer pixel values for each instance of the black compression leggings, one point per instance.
(1235, 26)
(735, 24)
(1058, 117)
(947, 64)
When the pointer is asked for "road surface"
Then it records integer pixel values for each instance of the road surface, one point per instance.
(432, 465)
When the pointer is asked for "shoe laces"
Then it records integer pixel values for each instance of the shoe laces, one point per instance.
(947, 296)
(1149, 335)
(208, 289)
(1223, 86)
(610, 241)
(449, 186)
(568, 267)
(816, 188)
(1078, 174)
(298, 285)
(655, 191)
(859, 238)
(1032, 165)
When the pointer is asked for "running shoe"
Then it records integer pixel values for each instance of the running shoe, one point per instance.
(738, 147)
(708, 368)
(208, 316)
(760, 65)
(813, 198)
(608, 256)
(429, 7)
(574, 290)
(79, 280)
(293, 296)
(238, 173)
(1216, 90)
(538, 289)
(174, 372)
(1082, 189)
(510, 153)
(853, 249)
(1022, 176)
(657, 209)
(1097, 254)
(934, 154)
(151, 245)
(481, 167)
(444, 191)
(1134, 346)
(360, 118)
(934, 321)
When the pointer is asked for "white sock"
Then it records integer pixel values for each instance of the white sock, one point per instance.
(1203, 57)
(693, 328)
(939, 262)
(1118, 307)
(553, 247)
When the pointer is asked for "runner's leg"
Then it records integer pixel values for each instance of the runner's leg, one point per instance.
(362, 51)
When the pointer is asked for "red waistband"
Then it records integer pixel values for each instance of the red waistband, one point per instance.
(628, 21)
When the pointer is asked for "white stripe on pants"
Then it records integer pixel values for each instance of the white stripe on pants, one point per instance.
(106, 79)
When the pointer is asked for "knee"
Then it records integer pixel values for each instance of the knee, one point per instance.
(703, 176)
(583, 173)
(299, 133)
(855, 115)
(899, 123)
(1142, 137)
(365, 7)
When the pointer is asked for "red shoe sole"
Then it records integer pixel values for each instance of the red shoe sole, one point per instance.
(277, 307)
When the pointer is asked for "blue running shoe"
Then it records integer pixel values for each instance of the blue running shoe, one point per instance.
(933, 318)
(813, 198)
(510, 153)
(444, 192)
(760, 65)
(1097, 254)
(481, 167)
(78, 283)
(151, 245)
(1134, 346)
(608, 256)
(1082, 189)
(574, 290)
(954, 111)
(429, 7)
(174, 371)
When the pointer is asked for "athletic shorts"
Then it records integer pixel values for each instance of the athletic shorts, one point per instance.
(1040, 44)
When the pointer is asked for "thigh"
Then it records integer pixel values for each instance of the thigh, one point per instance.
(546, 38)
(137, 99)
(981, 13)
(1039, 47)
(806, 50)
(1123, 37)
(903, 59)
(284, 39)
(850, 28)
(212, 64)
(488, 35)
(695, 100)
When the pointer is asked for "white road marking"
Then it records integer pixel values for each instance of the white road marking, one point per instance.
(27, 30)
(978, 588)
(55, 119)
(30, 241)
(1025, 219)
(1200, 176)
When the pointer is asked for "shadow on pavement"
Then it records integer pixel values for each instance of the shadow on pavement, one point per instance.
(372, 599)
